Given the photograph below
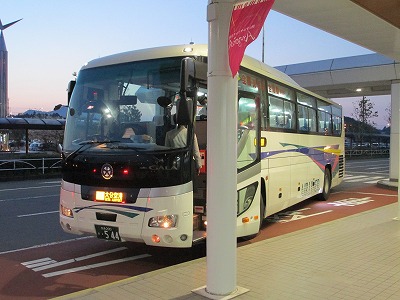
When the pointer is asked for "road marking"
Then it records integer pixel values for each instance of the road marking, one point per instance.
(29, 198)
(354, 176)
(293, 215)
(29, 188)
(351, 201)
(364, 179)
(72, 260)
(48, 263)
(93, 266)
(37, 214)
(364, 193)
(376, 168)
(38, 262)
(46, 245)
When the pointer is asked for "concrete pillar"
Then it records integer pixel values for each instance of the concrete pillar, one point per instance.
(221, 158)
(394, 132)
(395, 141)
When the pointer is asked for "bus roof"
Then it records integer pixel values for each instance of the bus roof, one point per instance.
(196, 50)
(174, 51)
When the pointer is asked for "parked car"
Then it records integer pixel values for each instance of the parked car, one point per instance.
(35, 146)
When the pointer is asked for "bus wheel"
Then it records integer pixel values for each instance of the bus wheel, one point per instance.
(262, 211)
(326, 188)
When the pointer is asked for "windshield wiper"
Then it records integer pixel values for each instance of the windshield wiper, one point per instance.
(85, 145)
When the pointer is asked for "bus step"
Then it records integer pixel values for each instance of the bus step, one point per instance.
(199, 235)
(196, 222)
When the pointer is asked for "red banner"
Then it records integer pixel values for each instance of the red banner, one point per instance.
(247, 19)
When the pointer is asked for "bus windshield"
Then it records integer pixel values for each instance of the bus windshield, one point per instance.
(131, 104)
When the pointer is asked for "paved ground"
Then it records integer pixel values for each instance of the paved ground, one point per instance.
(356, 257)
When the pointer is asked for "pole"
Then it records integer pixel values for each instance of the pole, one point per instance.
(396, 97)
(263, 39)
(221, 158)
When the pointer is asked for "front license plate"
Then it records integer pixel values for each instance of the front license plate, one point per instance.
(107, 232)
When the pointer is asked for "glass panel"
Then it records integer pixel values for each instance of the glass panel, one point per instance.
(250, 83)
(312, 119)
(247, 132)
(337, 111)
(324, 106)
(337, 125)
(255, 84)
(280, 91)
(281, 113)
(276, 112)
(306, 100)
(289, 121)
(303, 118)
(325, 123)
(121, 103)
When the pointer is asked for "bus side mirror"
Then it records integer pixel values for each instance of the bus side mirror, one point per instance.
(184, 111)
(193, 73)
(71, 86)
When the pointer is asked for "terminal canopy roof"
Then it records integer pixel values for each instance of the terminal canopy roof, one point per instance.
(27, 123)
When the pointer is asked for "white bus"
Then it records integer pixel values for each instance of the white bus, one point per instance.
(132, 187)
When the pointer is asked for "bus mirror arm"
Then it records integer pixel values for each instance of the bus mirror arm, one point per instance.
(184, 110)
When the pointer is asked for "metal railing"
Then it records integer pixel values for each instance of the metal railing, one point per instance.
(366, 152)
(33, 165)
(48, 165)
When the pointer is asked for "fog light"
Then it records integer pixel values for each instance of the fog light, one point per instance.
(183, 237)
(168, 239)
(155, 238)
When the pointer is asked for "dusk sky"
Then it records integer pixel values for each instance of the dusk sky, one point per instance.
(55, 38)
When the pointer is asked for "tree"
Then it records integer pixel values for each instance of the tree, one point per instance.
(363, 113)
(129, 113)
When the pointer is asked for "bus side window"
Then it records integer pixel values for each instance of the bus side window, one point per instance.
(272, 121)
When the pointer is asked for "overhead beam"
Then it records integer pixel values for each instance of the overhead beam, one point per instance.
(348, 20)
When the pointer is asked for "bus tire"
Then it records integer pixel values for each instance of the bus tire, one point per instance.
(262, 211)
(326, 188)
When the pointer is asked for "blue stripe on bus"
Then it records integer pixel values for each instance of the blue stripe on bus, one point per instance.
(111, 208)
(317, 154)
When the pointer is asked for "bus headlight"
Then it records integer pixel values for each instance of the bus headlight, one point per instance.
(65, 211)
(245, 197)
(167, 221)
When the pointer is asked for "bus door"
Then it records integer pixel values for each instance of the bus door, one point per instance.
(250, 209)
(200, 180)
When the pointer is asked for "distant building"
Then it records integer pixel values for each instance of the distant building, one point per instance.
(4, 105)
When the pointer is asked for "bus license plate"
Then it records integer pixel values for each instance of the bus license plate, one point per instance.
(107, 233)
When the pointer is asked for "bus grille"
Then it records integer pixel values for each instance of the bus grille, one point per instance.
(341, 166)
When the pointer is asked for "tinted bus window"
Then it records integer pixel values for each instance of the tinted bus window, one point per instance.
(257, 85)
(307, 119)
(337, 120)
(282, 111)
(307, 114)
